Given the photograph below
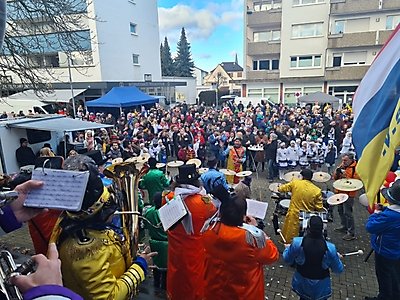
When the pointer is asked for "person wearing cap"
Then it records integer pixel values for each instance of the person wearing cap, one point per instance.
(154, 181)
(306, 196)
(347, 169)
(186, 255)
(212, 178)
(236, 252)
(24, 154)
(313, 257)
(94, 260)
(236, 157)
(384, 227)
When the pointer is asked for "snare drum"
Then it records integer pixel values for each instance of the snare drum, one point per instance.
(283, 207)
(304, 217)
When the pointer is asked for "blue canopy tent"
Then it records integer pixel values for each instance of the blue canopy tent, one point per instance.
(120, 98)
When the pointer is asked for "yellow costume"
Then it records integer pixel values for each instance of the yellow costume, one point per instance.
(236, 157)
(306, 197)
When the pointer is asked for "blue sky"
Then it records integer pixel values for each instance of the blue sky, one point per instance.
(214, 28)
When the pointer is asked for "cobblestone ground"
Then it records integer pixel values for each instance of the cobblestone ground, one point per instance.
(358, 279)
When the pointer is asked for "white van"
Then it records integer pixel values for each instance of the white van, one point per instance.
(16, 106)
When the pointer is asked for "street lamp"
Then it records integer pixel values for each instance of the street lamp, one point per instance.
(70, 84)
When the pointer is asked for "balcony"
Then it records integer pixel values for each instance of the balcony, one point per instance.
(384, 36)
(262, 75)
(356, 6)
(262, 48)
(347, 40)
(345, 73)
(269, 18)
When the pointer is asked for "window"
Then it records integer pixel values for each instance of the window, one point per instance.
(263, 6)
(309, 61)
(354, 58)
(392, 22)
(337, 60)
(133, 28)
(272, 94)
(306, 30)
(254, 92)
(307, 2)
(340, 26)
(265, 36)
(357, 25)
(44, 60)
(135, 59)
(266, 64)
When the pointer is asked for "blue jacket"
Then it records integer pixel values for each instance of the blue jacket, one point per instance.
(213, 178)
(50, 292)
(385, 232)
(309, 288)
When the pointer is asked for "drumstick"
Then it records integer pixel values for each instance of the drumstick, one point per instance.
(360, 252)
(282, 237)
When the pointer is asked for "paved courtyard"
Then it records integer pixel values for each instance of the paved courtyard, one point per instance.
(358, 279)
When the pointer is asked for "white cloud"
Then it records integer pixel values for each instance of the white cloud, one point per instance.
(199, 23)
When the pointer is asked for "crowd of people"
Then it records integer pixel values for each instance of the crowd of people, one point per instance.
(215, 249)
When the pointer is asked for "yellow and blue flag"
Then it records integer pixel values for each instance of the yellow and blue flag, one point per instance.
(376, 106)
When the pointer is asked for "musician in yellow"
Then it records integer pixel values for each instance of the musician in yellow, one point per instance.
(96, 262)
(305, 197)
(236, 157)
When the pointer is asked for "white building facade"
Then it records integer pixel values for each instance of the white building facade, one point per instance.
(296, 47)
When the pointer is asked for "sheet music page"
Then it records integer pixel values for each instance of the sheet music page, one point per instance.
(256, 208)
(62, 189)
(172, 212)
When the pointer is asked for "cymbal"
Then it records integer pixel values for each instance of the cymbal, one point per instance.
(321, 177)
(363, 199)
(175, 164)
(143, 158)
(273, 187)
(117, 160)
(227, 172)
(195, 161)
(348, 184)
(202, 170)
(160, 165)
(244, 174)
(292, 175)
(337, 199)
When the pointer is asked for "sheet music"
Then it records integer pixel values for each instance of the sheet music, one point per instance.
(62, 189)
(256, 208)
(172, 212)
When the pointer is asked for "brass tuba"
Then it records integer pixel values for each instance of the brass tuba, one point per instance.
(126, 177)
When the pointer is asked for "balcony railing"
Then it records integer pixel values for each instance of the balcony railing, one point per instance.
(264, 18)
(357, 6)
(262, 75)
(262, 48)
(345, 73)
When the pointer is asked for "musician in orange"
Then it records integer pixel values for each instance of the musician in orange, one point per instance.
(236, 157)
(186, 256)
(347, 169)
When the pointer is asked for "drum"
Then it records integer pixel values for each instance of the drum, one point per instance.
(304, 217)
(283, 207)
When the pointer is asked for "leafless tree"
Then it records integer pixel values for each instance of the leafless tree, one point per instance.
(42, 35)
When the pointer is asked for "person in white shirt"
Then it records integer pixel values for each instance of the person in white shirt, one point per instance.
(292, 155)
(282, 159)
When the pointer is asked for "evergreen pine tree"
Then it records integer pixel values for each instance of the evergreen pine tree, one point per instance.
(167, 64)
(183, 63)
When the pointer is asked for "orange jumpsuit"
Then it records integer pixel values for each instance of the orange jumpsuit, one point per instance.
(234, 268)
(185, 277)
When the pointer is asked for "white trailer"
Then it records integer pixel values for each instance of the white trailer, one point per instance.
(38, 130)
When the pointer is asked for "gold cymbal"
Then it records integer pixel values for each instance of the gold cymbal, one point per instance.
(175, 164)
(195, 161)
(227, 172)
(244, 174)
(348, 184)
(292, 175)
(160, 165)
(337, 199)
(273, 187)
(202, 170)
(321, 177)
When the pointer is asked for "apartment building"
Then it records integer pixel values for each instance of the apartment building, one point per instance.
(120, 40)
(297, 47)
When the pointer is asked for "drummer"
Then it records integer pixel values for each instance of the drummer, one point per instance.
(347, 169)
(154, 181)
(213, 177)
(305, 197)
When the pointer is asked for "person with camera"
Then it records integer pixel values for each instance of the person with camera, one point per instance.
(313, 257)
(347, 169)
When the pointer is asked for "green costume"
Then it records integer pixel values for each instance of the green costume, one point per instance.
(154, 181)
